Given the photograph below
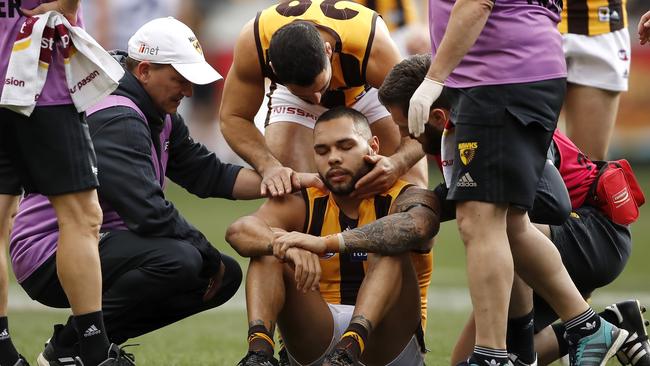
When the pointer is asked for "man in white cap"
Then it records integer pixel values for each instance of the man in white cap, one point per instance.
(157, 268)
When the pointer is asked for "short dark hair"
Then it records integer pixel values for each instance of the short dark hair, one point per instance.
(297, 53)
(361, 124)
(402, 81)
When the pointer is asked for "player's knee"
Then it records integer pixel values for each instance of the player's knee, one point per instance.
(79, 212)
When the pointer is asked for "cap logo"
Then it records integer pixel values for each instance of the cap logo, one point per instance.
(146, 50)
(196, 44)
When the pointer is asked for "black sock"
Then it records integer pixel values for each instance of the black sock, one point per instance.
(65, 335)
(563, 347)
(93, 342)
(260, 340)
(488, 356)
(610, 316)
(521, 337)
(354, 340)
(582, 325)
(8, 353)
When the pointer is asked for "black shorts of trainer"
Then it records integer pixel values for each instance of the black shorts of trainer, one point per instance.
(502, 137)
(49, 152)
(147, 283)
(594, 251)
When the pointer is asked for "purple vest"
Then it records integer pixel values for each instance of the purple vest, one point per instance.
(35, 231)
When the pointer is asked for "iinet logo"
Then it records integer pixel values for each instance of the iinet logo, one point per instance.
(144, 49)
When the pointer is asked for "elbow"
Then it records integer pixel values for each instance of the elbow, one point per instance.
(234, 236)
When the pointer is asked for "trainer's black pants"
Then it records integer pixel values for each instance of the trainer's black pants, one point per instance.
(148, 283)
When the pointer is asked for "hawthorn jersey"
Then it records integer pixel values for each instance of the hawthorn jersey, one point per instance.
(351, 24)
(396, 13)
(342, 273)
(593, 17)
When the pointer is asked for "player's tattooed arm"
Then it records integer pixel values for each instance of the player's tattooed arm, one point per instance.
(413, 221)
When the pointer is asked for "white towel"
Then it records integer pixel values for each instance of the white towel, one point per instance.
(91, 72)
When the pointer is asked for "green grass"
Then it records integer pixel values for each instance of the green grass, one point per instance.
(218, 337)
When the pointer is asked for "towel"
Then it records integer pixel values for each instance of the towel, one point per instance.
(91, 73)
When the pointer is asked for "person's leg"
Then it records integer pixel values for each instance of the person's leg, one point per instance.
(590, 118)
(394, 314)
(8, 204)
(482, 228)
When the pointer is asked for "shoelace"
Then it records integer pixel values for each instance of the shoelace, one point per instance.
(254, 357)
(340, 357)
(127, 356)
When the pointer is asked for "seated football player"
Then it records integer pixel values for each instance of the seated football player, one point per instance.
(594, 249)
(355, 294)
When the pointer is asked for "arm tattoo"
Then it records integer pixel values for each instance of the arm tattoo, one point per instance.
(401, 231)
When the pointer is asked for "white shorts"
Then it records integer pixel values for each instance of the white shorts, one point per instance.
(341, 315)
(601, 61)
(286, 107)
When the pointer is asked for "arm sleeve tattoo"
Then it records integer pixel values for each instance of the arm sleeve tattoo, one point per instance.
(413, 221)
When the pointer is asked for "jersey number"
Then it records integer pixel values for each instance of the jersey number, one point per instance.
(328, 7)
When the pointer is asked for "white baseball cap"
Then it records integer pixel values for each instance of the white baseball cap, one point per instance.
(168, 41)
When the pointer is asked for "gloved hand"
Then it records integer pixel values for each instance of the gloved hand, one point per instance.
(420, 104)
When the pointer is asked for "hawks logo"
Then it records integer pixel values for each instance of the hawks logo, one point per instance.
(196, 44)
(467, 151)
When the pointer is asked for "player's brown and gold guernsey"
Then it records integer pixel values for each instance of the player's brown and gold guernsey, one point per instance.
(396, 13)
(342, 274)
(593, 17)
(351, 24)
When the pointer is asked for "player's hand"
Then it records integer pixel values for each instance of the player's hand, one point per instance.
(644, 28)
(66, 7)
(420, 104)
(306, 180)
(283, 241)
(278, 181)
(307, 270)
(383, 175)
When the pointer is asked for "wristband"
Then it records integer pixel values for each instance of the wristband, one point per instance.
(342, 247)
(435, 81)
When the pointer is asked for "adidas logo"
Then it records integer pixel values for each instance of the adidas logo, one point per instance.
(91, 331)
(589, 326)
(492, 362)
(466, 181)
(4, 335)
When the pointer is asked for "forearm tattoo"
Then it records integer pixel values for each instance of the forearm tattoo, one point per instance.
(401, 231)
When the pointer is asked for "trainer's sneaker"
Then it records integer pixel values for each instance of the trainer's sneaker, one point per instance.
(636, 349)
(597, 348)
(257, 359)
(283, 357)
(514, 360)
(21, 361)
(339, 357)
(55, 355)
(116, 357)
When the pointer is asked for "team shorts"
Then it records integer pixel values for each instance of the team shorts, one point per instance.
(342, 314)
(286, 107)
(594, 251)
(502, 136)
(49, 152)
(601, 61)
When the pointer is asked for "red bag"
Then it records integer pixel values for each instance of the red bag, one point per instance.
(616, 192)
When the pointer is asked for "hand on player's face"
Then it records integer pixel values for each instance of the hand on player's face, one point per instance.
(644, 28)
(384, 173)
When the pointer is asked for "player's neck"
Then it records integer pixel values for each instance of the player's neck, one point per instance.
(348, 205)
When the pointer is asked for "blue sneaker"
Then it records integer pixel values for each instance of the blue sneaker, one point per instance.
(596, 349)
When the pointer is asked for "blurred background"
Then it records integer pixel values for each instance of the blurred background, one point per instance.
(218, 337)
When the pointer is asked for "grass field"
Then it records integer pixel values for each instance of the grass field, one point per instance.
(218, 337)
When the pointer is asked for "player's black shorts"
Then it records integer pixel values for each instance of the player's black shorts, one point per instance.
(49, 152)
(594, 251)
(502, 136)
